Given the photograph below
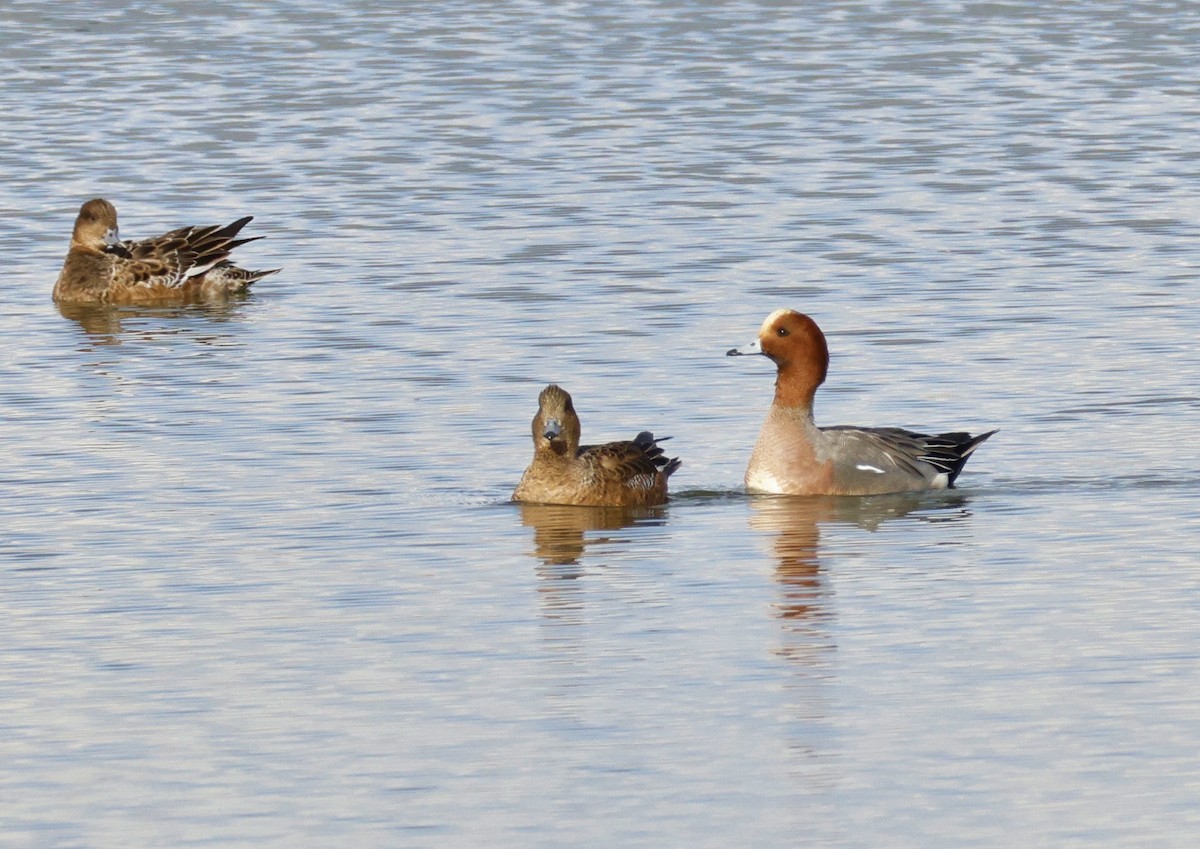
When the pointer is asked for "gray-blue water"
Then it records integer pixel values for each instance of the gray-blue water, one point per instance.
(260, 584)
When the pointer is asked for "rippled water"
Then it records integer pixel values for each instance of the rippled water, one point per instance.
(262, 585)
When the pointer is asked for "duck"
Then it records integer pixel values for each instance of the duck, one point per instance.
(188, 264)
(630, 473)
(793, 456)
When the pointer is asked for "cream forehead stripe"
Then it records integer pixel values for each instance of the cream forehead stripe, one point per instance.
(779, 313)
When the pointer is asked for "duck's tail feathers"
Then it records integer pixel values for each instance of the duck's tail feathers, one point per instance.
(949, 452)
(225, 278)
(648, 442)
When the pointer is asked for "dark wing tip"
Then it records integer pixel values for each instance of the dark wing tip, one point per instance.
(949, 452)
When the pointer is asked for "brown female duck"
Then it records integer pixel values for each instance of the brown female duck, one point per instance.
(617, 474)
(188, 264)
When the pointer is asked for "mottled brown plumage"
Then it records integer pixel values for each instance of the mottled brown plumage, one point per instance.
(616, 474)
(187, 264)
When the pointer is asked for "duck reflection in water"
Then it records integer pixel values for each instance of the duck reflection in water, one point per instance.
(561, 535)
(796, 523)
(560, 531)
(108, 324)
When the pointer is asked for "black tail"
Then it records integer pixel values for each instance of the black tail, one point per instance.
(648, 442)
(949, 452)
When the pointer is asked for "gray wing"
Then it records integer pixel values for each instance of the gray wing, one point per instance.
(884, 452)
(882, 455)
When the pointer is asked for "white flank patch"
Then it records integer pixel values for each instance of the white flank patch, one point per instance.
(865, 468)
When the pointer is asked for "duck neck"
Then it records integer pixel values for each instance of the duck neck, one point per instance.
(795, 389)
(87, 246)
(553, 455)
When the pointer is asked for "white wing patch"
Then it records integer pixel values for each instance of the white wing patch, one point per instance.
(862, 467)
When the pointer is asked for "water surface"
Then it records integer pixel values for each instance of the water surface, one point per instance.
(262, 584)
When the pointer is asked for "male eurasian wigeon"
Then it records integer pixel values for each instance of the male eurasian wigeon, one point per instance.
(190, 263)
(795, 457)
(616, 474)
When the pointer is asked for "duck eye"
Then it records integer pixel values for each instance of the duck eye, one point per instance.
(783, 331)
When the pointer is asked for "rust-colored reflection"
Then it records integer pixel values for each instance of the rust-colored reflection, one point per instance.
(797, 523)
(798, 568)
(106, 324)
(792, 526)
